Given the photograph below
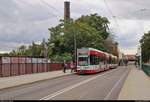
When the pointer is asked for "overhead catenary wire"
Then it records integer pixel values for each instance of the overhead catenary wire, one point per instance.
(52, 14)
(51, 7)
(109, 10)
(113, 16)
(48, 4)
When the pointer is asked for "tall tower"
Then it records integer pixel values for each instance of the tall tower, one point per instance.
(66, 10)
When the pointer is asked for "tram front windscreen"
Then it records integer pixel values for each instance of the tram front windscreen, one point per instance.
(83, 60)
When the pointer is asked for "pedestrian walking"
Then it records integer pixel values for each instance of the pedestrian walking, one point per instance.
(135, 63)
(126, 62)
(64, 66)
(119, 63)
(72, 66)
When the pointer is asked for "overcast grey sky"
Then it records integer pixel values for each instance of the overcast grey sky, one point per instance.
(24, 21)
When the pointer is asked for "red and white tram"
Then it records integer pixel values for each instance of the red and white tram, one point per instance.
(90, 60)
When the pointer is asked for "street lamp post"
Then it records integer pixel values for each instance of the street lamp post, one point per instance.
(140, 57)
(141, 10)
(45, 53)
(75, 49)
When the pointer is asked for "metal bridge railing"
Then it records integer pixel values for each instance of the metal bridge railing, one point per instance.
(146, 68)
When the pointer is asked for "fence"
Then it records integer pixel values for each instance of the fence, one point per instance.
(146, 68)
(14, 66)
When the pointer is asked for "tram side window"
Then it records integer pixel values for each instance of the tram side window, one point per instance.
(91, 59)
(108, 61)
(94, 60)
(98, 60)
(101, 59)
(113, 61)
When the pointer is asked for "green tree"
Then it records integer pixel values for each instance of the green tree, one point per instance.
(38, 50)
(89, 31)
(33, 50)
(145, 44)
(4, 54)
(22, 50)
(13, 53)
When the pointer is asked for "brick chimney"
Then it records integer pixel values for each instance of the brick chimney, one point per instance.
(66, 10)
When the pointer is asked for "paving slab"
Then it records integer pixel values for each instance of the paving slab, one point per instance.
(136, 86)
(7, 82)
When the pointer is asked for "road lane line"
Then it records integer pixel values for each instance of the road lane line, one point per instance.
(73, 86)
(108, 95)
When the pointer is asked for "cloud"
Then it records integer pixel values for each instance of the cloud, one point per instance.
(23, 22)
(128, 32)
(130, 9)
(26, 31)
(9, 46)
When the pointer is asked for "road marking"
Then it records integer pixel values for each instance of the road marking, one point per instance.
(73, 86)
(108, 95)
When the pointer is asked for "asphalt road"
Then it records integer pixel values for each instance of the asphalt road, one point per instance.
(102, 86)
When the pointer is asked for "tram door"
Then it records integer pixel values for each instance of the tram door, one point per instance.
(100, 66)
(106, 64)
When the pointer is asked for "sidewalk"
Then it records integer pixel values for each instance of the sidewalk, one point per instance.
(8, 82)
(136, 86)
